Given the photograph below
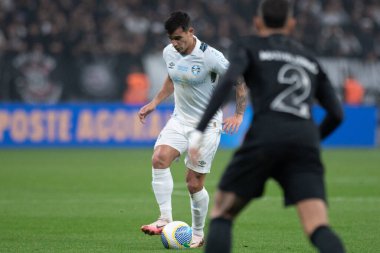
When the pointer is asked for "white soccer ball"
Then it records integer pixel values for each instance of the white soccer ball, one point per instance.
(176, 235)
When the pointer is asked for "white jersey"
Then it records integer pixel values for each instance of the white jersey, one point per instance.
(194, 77)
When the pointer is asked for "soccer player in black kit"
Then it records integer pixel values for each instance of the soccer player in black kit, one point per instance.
(283, 142)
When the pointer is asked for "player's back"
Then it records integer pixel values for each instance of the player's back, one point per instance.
(283, 79)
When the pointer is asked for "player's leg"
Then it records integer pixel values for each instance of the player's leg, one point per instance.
(313, 216)
(162, 184)
(162, 180)
(169, 145)
(199, 201)
(243, 179)
(302, 179)
(196, 174)
(227, 206)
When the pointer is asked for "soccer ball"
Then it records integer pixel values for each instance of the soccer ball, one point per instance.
(176, 235)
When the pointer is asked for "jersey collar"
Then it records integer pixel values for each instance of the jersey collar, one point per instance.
(197, 46)
(196, 50)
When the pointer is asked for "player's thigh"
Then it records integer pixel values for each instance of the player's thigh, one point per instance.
(163, 156)
(227, 205)
(247, 172)
(172, 135)
(206, 153)
(302, 176)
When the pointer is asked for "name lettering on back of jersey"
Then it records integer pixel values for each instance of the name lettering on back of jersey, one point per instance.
(265, 55)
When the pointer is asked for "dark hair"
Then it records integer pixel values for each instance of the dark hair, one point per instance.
(275, 12)
(177, 19)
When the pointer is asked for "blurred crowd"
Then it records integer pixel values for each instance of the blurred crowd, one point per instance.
(121, 32)
(330, 27)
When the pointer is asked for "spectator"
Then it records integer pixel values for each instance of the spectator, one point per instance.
(137, 87)
(130, 28)
(353, 90)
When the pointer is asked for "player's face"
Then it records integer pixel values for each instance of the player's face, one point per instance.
(182, 40)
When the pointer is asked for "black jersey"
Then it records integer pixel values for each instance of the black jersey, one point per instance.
(284, 81)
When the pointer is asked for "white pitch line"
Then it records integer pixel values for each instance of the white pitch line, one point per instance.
(335, 199)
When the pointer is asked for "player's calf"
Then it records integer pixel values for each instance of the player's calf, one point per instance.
(326, 241)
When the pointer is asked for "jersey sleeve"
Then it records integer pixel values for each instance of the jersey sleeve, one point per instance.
(328, 99)
(165, 53)
(239, 63)
(238, 55)
(216, 61)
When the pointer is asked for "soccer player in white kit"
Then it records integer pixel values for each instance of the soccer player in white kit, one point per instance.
(193, 71)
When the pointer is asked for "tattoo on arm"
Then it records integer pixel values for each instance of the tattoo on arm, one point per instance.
(241, 96)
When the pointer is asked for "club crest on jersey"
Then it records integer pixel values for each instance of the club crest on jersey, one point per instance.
(196, 69)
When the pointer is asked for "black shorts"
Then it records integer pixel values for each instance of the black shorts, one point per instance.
(299, 172)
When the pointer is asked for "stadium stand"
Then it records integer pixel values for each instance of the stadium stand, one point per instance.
(71, 50)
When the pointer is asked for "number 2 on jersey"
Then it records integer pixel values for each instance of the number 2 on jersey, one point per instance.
(293, 99)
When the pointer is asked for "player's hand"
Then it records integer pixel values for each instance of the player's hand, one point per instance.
(144, 111)
(231, 125)
(195, 143)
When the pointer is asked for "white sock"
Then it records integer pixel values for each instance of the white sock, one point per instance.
(199, 207)
(162, 183)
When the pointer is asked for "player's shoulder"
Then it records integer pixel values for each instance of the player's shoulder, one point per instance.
(299, 48)
(250, 39)
(249, 42)
(169, 50)
(209, 52)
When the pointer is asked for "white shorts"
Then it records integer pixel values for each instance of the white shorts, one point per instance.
(175, 135)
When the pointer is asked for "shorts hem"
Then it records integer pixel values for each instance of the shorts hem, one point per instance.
(167, 144)
(202, 171)
(289, 203)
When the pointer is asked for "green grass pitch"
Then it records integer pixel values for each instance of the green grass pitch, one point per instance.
(95, 200)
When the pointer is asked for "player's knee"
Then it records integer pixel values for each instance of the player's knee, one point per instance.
(228, 205)
(160, 161)
(194, 185)
(195, 181)
(218, 213)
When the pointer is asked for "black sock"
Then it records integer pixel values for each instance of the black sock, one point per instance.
(326, 240)
(219, 236)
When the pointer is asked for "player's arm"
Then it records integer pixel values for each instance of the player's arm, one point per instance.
(238, 64)
(218, 97)
(329, 101)
(232, 124)
(239, 61)
(166, 90)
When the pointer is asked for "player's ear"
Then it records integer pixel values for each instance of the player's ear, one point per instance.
(191, 30)
(258, 23)
(291, 24)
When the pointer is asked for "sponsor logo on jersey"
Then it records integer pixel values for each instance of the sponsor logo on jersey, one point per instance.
(182, 68)
(196, 69)
(178, 80)
(171, 65)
